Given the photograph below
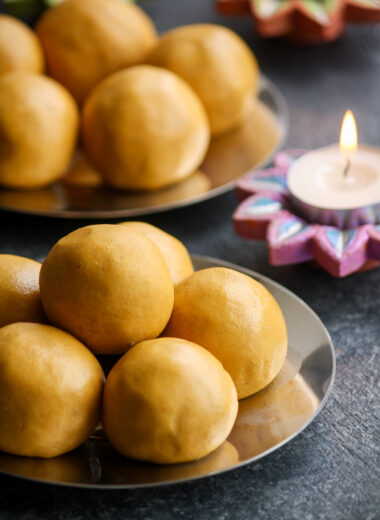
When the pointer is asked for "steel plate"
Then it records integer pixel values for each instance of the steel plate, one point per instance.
(265, 422)
(251, 145)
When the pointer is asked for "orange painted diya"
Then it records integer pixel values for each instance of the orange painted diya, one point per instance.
(303, 21)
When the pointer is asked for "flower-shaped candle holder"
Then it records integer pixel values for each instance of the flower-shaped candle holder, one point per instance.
(267, 213)
(303, 20)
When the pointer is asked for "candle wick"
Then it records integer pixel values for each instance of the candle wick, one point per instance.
(346, 168)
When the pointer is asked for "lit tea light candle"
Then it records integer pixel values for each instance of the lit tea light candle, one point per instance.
(338, 185)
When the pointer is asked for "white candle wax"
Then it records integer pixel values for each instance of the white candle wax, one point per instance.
(317, 178)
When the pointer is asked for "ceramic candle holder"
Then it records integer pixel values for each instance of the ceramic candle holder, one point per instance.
(267, 212)
(300, 21)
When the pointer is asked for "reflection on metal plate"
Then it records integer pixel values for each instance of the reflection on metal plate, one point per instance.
(231, 155)
(265, 421)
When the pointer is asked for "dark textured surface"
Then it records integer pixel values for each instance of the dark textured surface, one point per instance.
(331, 470)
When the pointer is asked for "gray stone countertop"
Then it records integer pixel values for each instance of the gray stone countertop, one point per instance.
(331, 470)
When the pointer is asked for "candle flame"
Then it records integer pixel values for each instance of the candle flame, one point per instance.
(348, 134)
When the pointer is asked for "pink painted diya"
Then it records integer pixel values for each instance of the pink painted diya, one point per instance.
(267, 212)
(303, 21)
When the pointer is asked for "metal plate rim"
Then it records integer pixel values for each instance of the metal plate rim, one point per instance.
(220, 263)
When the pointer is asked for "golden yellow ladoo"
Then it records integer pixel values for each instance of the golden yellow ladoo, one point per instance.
(39, 124)
(19, 290)
(20, 48)
(85, 41)
(168, 400)
(236, 319)
(108, 286)
(50, 390)
(217, 64)
(144, 128)
(174, 252)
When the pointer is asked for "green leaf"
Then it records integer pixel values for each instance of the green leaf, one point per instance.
(52, 3)
(22, 7)
(33, 7)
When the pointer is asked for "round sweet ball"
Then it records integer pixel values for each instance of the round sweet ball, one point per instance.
(50, 391)
(85, 41)
(39, 122)
(174, 252)
(20, 48)
(144, 128)
(19, 290)
(167, 401)
(237, 320)
(107, 285)
(217, 64)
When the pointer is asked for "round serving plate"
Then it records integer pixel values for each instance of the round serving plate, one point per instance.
(253, 144)
(265, 422)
